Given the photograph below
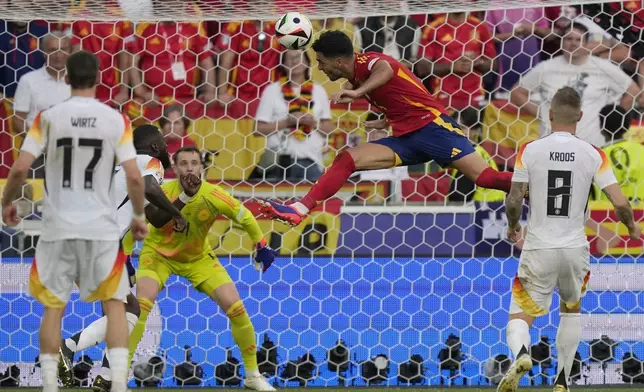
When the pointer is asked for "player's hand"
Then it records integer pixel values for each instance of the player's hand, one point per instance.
(463, 66)
(380, 123)
(10, 215)
(139, 229)
(514, 233)
(346, 96)
(190, 184)
(634, 233)
(180, 223)
(264, 256)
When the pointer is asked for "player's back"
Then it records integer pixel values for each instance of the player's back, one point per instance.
(404, 99)
(561, 169)
(81, 137)
(147, 166)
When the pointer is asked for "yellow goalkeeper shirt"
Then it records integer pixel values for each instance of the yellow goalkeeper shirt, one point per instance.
(200, 213)
(627, 158)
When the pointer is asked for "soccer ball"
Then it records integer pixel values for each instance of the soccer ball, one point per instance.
(294, 30)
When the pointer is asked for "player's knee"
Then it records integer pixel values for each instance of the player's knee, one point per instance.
(522, 316)
(572, 307)
(132, 305)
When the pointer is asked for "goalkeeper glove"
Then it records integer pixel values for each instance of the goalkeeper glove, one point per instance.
(264, 256)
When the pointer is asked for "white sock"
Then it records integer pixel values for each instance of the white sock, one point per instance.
(252, 373)
(91, 336)
(118, 365)
(518, 336)
(131, 321)
(300, 208)
(49, 372)
(106, 373)
(568, 337)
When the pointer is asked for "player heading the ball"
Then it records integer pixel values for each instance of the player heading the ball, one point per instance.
(83, 139)
(422, 130)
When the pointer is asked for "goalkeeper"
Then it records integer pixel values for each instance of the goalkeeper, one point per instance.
(188, 254)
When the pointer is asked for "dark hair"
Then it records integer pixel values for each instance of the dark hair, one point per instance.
(614, 121)
(334, 43)
(82, 70)
(576, 26)
(145, 135)
(282, 71)
(175, 157)
(163, 121)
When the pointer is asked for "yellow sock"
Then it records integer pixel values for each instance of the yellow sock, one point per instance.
(137, 333)
(244, 334)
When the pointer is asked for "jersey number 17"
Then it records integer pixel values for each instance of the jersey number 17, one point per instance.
(67, 144)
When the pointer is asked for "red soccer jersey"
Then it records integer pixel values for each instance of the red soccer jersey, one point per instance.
(403, 99)
(160, 45)
(106, 40)
(445, 41)
(257, 59)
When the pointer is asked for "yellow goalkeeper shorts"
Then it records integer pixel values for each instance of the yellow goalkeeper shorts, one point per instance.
(205, 274)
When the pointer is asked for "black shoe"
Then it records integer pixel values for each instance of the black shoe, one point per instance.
(65, 367)
(101, 385)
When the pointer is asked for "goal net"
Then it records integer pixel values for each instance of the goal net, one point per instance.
(405, 275)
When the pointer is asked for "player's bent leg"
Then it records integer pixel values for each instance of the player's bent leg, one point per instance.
(222, 290)
(474, 167)
(518, 338)
(369, 156)
(568, 338)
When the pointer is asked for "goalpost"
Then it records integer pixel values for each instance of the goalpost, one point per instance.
(390, 268)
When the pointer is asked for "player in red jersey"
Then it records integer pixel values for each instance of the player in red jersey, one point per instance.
(422, 131)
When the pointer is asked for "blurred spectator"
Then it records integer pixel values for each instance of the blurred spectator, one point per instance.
(39, 89)
(462, 189)
(396, 36)
(174, 60)
(518, 35)
(174, 126)
(107, 41)
(627, 156)
(19, 46)
(247, 64)
(295, 116)
(598, 81)
(457, 50)
(320, 26)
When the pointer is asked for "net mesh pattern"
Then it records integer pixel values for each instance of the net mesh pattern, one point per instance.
(404, 276)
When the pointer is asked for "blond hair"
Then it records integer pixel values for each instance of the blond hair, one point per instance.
(566, 106)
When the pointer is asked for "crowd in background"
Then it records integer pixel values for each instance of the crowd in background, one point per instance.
(174, 73)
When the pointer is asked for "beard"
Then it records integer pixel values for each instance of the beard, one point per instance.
(165, 160)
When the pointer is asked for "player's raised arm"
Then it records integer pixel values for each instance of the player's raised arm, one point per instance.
(223, 203)
(32, 148)
(606, 181)
(154, 194)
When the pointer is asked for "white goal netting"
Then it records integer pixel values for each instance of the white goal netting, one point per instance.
(403, 266)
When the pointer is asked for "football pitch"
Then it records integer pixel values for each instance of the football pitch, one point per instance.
(581, 388)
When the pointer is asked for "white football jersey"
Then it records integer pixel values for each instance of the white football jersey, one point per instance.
(148, 166)
(83, 140)
(560, 169)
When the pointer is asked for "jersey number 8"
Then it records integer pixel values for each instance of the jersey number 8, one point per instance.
(67, 143)
(559, 193)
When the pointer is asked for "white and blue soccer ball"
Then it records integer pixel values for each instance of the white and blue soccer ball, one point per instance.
(294, 30)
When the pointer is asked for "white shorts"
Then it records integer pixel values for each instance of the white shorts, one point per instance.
(543, 270)
(97, 266)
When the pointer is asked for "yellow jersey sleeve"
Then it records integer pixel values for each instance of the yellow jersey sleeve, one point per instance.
(223, 203)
